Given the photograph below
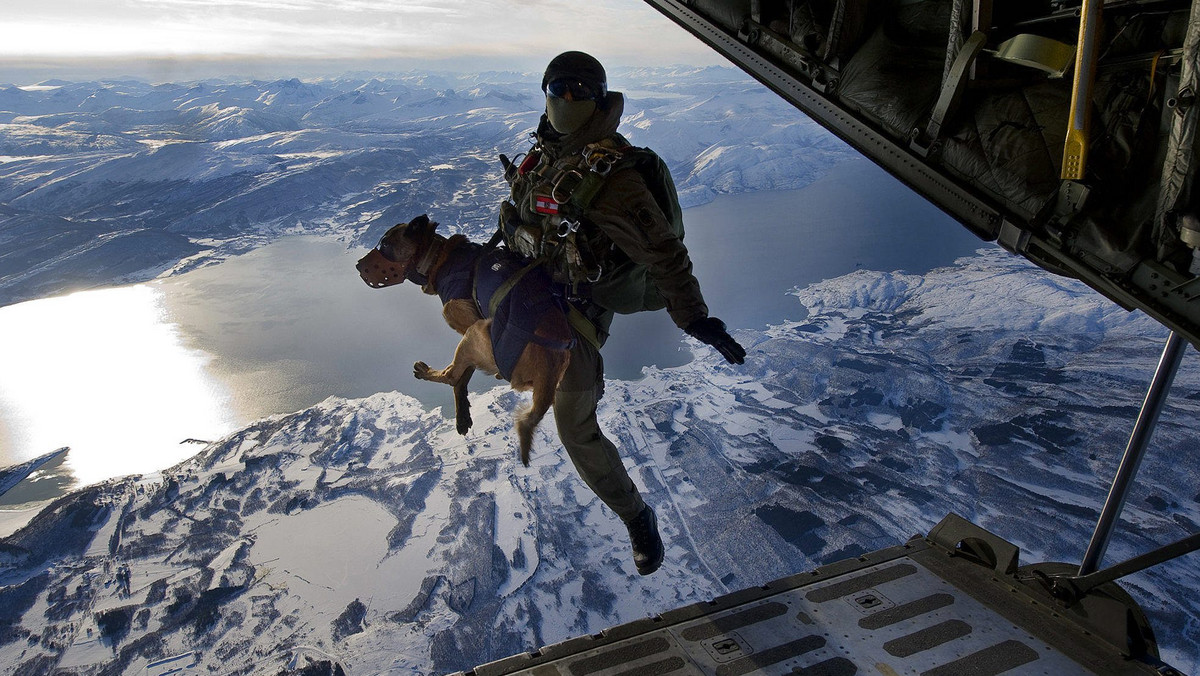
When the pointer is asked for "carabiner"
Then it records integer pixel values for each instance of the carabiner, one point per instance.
(596, 159)
(566, 227)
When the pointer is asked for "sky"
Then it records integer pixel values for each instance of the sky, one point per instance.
(160, 36)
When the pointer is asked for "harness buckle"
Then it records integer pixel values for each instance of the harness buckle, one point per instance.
(594, 277)
(558, 182)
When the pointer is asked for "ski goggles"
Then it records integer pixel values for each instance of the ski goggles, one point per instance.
(579, 91)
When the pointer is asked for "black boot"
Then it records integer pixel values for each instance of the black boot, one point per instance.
(647, 545)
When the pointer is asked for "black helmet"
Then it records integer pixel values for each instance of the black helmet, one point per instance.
(577, 72)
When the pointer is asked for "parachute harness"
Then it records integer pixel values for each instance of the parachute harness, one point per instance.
(559, 194)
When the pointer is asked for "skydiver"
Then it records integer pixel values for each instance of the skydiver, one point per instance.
(605, 217)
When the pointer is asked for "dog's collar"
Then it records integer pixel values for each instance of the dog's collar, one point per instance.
(419, 273)
(435, 257)
(431, 254)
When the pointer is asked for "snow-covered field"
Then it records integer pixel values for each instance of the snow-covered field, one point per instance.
(368, 531)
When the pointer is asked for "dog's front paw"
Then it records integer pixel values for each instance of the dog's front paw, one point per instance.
(421, 370)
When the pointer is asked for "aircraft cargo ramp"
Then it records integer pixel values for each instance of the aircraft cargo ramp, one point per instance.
(949, 604)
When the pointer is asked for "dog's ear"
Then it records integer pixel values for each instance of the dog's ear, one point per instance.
(422, 227)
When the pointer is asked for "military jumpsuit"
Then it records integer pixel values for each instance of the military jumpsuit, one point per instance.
(623, 222)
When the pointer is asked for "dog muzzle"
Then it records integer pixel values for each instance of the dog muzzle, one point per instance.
(377, 271)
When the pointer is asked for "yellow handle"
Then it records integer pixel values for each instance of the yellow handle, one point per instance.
(1075, 154)
(1075, 148)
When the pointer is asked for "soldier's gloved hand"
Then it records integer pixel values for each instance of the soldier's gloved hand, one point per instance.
(712, 331)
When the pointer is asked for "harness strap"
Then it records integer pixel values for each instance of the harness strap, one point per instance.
(600, 161)
(576, 182)
(587, 188)
(495, 240)
(583, 326)
(552, 344)
(503, 290)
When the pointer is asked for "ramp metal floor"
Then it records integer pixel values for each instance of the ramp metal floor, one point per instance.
(914, 609)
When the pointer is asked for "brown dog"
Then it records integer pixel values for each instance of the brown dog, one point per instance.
(456, 270)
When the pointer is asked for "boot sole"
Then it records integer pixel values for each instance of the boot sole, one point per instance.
(650, 569)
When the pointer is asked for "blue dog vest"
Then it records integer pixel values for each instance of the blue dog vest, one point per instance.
(476, 272)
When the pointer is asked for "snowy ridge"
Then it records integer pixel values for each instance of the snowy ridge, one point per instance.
(371, 531)
(210, 169)
(1009, 301)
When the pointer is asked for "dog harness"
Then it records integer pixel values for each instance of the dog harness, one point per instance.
(506, 288)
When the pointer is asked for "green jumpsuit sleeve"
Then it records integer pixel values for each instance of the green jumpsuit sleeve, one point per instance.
(626, 212)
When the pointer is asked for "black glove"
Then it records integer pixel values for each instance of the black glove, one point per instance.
(712, 331)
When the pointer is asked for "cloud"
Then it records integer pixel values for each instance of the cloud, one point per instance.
(434, 29)
(382, 6)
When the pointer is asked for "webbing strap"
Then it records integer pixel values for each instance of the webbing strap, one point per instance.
(583, 326)
(495, 240)
(587, 188)
(579, 185)
(503, 290)
(953, 87)
(594, 179)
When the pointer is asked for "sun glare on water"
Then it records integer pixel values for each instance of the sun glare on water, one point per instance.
(106, 374)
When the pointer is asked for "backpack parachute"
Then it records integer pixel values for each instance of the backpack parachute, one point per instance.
(627, 287)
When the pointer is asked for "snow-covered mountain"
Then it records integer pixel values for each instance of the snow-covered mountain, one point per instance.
(106, 182)
(369, 533)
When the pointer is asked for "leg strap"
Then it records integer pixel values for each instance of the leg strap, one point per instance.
(583, 326)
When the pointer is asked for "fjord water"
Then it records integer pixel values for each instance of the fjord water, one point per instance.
(124, 375)
(749, 250)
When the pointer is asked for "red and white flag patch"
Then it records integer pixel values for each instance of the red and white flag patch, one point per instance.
(545, 205)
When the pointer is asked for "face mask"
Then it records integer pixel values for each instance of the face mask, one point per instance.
(568, 116)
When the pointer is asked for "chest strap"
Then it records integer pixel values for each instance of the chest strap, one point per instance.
(576, 180)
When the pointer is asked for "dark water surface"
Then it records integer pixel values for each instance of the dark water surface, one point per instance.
(289, 324)
(750, 250)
